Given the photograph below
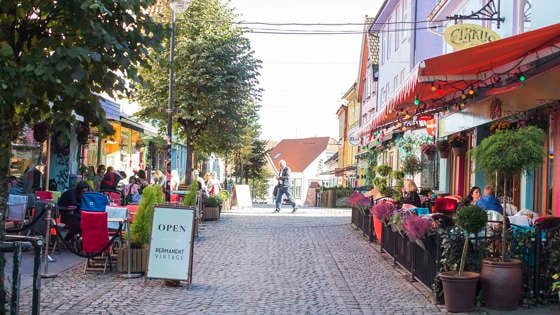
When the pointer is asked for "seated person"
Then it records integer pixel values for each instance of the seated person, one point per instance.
(410, 193)
(473, 197)
(69, 203)
(132, 190)
(488, 201)
(110, 180)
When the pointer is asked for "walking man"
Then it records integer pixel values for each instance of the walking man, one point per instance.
(284, 187)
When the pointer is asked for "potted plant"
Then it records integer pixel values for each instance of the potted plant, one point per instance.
(223, 195)
(443, 148)
(458, 142)
(211, 208)
(429, 150)
(141, 231)
(459, 287)
(556, 284)
(506, 153)
(412, 165)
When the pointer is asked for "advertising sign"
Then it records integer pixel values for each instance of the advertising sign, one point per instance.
(242, 196)
(463, 36)
(171, 245)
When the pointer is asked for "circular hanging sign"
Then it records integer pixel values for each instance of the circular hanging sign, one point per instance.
(461, 36)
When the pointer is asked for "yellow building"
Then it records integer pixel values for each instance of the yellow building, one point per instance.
(349, 121)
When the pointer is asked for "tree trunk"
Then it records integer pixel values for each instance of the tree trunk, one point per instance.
(5, 155)
(188, 169)
(504, 221)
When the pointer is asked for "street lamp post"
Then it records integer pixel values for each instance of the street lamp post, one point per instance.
(176, 6)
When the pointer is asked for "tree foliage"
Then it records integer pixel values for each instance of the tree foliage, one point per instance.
(57, 57)
(509, 151)
(215, 85)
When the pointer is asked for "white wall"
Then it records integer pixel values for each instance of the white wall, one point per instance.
(395, 53)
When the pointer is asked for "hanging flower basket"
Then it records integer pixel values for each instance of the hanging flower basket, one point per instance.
(429, 150)
(41, 131)
(443, 148)
(82, 132)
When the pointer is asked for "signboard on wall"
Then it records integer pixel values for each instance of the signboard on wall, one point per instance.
(171, 245)
(461, 36)
(354, 137)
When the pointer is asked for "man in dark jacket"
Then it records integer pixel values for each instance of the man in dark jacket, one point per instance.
(284, 187)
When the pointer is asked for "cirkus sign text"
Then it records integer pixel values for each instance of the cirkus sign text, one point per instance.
(463, 36)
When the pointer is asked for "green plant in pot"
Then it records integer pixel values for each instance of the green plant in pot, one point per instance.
(412, 165)
(223, 195)
(190, 197)
(141, 230)
(211, 208)
(459, 287)
(506, 153)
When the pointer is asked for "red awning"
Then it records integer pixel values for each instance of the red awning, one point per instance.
(445, 75)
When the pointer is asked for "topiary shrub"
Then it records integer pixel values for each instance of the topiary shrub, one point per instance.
(471, 220)
(190, 197)
(141, 228)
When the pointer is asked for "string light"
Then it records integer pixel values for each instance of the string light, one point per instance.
(521, 77)
(416, 101)
(471, 91)
(433, 88)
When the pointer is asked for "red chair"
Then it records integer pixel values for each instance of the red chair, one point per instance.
(445, 205)
(95, 236)
(114, 197)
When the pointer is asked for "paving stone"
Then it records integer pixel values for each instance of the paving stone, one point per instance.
(254, 262)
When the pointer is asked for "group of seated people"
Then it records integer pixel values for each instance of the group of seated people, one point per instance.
(482, 198)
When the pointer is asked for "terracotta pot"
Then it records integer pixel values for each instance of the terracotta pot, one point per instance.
(377, 226)
(459, 292)
(495, 277)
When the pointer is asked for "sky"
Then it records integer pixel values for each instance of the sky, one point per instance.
(304, 76)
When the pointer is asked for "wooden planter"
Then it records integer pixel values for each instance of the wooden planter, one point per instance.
(138, 260)
(211, 213)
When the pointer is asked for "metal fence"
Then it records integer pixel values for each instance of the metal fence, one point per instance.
(538, 248)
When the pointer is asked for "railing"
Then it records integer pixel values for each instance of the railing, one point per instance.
(16, 244)
(362, 220)
(538, 249)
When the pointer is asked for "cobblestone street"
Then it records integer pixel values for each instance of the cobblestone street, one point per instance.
(254, 262)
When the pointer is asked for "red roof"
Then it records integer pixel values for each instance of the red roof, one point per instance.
(298, 153)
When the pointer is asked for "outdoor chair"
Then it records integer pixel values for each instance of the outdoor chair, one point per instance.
(117, 216)
(17, 206)
(445, 205)
(95, 236)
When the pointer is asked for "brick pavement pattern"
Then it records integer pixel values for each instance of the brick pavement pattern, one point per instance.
(254, 262)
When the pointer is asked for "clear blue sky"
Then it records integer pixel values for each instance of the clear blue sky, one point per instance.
(304, 76)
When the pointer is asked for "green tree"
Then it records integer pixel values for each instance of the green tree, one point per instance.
(215, 85)
(57, 57)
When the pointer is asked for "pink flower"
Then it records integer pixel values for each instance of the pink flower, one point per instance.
(357, 199)
(383, 210)
(416, 227)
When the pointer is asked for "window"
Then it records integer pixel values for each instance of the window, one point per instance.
(296, 188)
(395, 83)
(526, 15)
(402, 76)
(405, 19)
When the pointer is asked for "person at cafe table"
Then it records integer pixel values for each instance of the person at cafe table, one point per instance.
(69, 204)
(488, 201)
